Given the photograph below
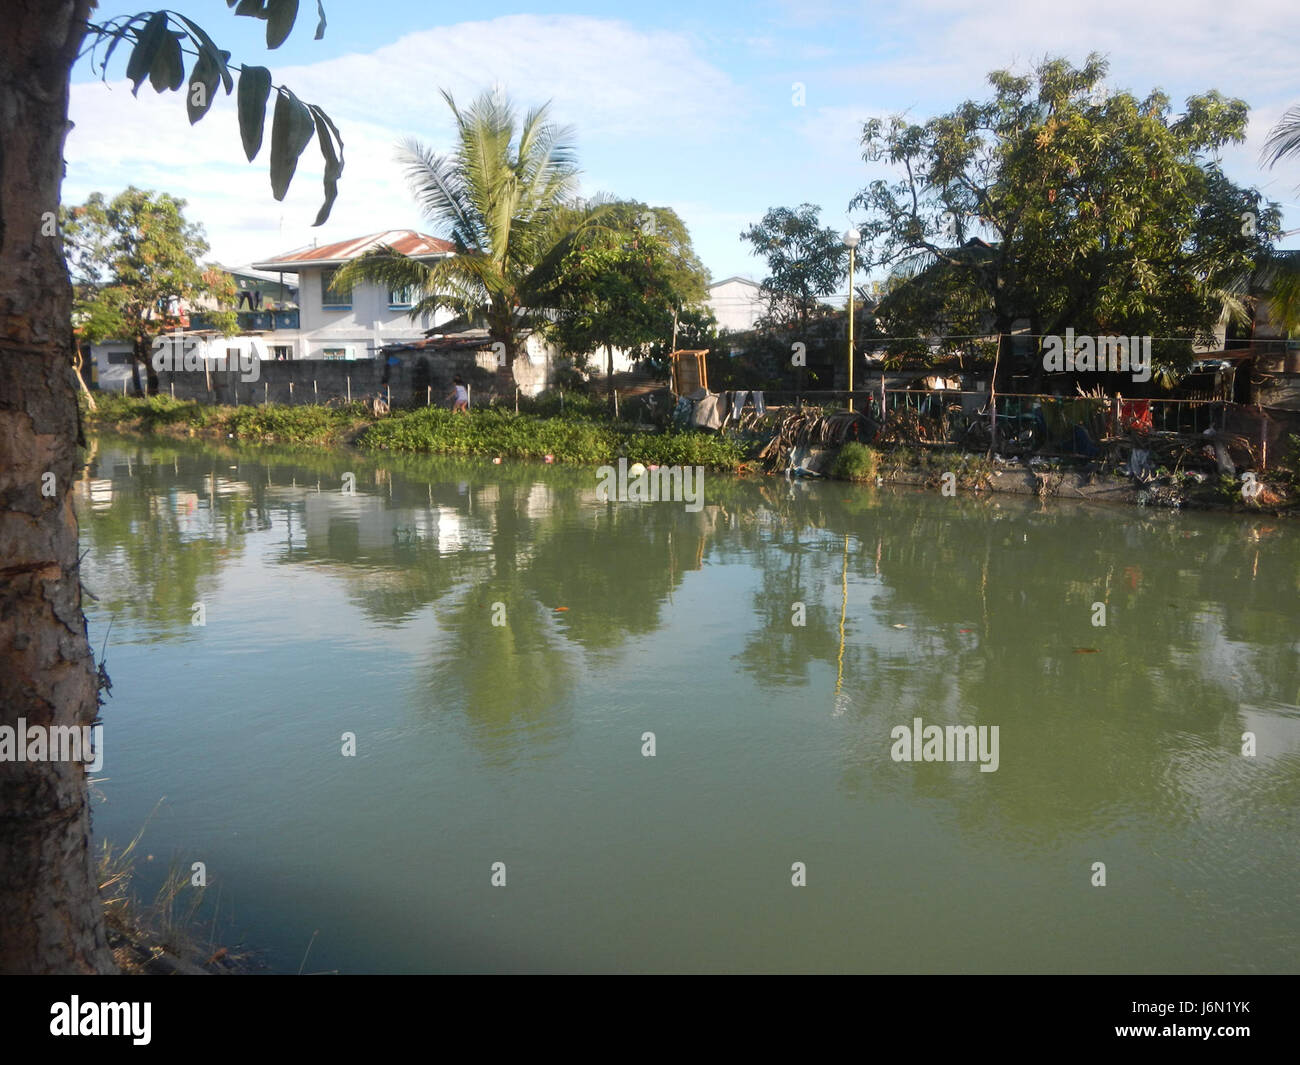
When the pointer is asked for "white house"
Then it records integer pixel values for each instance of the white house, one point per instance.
(737, 303)
(353, 324)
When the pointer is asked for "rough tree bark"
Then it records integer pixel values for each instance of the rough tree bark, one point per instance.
(50, 915)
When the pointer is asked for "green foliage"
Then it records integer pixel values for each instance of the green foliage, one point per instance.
(134, 260)
(617, 278)
(572, 439)
(1102, 212)
(856, 462)
(500, 196)
(157, 54)
(805, 262)
(289, 425)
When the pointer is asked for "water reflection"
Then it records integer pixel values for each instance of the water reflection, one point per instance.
(798, 621)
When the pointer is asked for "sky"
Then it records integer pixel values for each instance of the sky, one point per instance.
(718, 110)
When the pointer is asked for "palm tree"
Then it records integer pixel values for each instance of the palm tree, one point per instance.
(502, 197)
(1284, 139)
(1283, 273)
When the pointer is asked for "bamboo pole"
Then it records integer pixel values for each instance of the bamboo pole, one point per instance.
(349, 388)
(993, 399)
(428, 395)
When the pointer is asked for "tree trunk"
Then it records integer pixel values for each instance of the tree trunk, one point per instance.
(79, 362)
(50, 915)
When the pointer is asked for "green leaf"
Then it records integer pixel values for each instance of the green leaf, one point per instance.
(168, 70)
(279, 21)
(254, 87)
(291, 129)
(320, 26)
(327, 133)
(220, 59)
(150, 39)
(206, 74)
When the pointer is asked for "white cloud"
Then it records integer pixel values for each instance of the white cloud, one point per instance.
(629, 90)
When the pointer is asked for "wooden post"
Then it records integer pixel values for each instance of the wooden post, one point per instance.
(516, 399)
(266, 393)
(349, 388)
(315, 392)
(469, 396)
(616, 404)
(561, 397)
(428, 395)
(124, 386)
(291, 393)
(173, 390)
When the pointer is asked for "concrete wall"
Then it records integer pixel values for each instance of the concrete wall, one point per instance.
(416, 378)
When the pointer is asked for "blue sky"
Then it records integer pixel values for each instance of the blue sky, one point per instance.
(688, 105)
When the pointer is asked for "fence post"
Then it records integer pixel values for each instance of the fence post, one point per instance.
(516, 399)
(616, 404)
(315, 393)
(469, 396)
(291, 393)
(349, 376)
(428, 395)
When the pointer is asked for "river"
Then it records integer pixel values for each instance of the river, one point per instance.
(499, 643)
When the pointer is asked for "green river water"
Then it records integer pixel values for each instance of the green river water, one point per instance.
(523, 742)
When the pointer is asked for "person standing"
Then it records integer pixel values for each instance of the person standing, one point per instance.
(459, 394)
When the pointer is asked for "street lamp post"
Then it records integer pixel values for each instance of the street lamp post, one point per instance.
(851, 238)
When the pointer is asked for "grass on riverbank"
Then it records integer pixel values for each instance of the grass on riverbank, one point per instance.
(162, 936)
(578, 439)
(264, 424)
(579, 436)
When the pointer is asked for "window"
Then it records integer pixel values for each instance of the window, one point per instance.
(400, 297)
(118, 358)
(339, 353)
(282, 352)
(330, 297)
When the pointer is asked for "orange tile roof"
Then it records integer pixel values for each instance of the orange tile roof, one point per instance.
(405, 241)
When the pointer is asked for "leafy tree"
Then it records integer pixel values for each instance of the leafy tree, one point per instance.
(50, 915)
(805, 261)
(618, 278)
(1103, 213)
(501, 196)
(136, 269)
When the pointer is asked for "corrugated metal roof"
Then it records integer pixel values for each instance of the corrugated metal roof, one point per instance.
(405, 241)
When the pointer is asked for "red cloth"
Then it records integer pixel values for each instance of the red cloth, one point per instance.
(1135, 414)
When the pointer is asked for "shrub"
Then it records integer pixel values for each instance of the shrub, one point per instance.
(856, 462)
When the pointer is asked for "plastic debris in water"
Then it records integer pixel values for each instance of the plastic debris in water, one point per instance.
(559, 609)
(1087, 650)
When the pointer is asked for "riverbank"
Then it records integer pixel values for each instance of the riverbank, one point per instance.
(954, 472)
(585, 435)
(582, 435)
